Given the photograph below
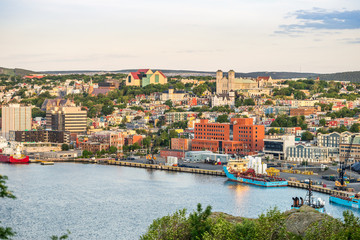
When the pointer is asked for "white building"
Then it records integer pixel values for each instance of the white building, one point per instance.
(15, 118)
(223, 99)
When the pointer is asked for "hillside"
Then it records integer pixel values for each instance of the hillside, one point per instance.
(19, 71)
(342, 76)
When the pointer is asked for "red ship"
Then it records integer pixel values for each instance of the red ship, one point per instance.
(17, 158)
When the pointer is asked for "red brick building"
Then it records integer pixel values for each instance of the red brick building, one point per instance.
(240, 136)
(181, 144)
(132, 139)
(172, 153)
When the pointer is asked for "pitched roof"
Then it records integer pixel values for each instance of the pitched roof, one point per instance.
(142, 70)
(135, 75)
(162, 73)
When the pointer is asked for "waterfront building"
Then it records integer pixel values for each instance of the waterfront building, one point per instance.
(240, 136)
(15, 117)
(333, 139)
(311, 154)
(71, 119)
(71, 154)
(94, 146)
(276, 146)
(354, 151)
(144, 77)
(206, 156)
(116, 139)
(40, 136)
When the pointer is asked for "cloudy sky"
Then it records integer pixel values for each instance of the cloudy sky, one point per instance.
(245, 35)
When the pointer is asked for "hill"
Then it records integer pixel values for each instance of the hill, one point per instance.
(353, 76)
(342, 76)
(18, 71)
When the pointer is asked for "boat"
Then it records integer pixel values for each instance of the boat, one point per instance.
(351, 201)
(317, 204)
(239, 171)
(16, 158)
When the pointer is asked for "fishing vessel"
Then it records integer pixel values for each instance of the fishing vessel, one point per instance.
(318, 204)
(252, 172)
(352, 201)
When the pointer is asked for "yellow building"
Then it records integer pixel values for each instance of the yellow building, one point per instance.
(144, 77)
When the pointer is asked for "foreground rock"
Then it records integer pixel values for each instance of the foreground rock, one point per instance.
(297, 221)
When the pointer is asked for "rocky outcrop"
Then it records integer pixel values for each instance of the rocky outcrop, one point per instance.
(299, 220)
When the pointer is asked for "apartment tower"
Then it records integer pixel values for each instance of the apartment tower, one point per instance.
(15, 117)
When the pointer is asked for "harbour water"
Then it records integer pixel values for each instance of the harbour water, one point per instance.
(112, 202)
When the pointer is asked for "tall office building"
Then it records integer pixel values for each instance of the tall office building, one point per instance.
(15, 117)
(71, 119)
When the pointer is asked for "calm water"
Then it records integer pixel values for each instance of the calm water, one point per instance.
(112, 202)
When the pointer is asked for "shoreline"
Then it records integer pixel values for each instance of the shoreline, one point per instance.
(190, 170)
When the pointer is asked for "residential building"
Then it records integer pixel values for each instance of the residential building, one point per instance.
(304, 111)
(172, 117)
(40, 136)
(71, 119)
(132, 139)
(223, 99)
(144, 77)
(15, 117)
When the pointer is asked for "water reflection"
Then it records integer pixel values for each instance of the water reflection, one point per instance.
(123, 200)
(238, 190)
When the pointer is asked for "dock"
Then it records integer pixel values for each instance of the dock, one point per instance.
(167, 168)
(319, 189)
(295, 184)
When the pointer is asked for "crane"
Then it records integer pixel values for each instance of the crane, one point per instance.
(340, 184)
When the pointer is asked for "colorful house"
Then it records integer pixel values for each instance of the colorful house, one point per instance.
(144, 77)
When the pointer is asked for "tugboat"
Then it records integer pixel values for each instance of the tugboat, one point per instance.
(239, 171)
(317, 204)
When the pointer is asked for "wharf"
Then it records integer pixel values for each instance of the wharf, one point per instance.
(196, 171)
(319, 189)
(167, 168)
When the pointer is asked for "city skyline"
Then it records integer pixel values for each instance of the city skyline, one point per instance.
(297, 36)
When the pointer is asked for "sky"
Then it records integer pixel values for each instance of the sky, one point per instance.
(321, 36)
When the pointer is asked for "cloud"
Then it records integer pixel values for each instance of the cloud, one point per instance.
(321, 19)
(352, 40)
